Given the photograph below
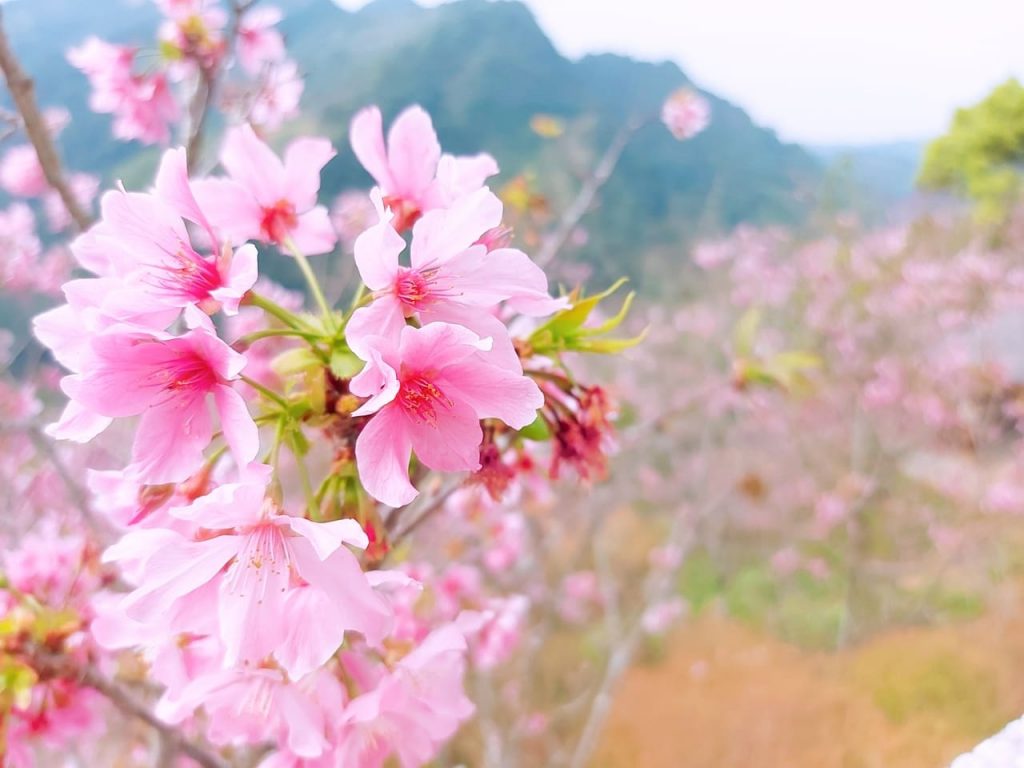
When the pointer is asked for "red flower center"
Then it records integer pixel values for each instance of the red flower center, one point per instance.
(420, 399)
(278, 222)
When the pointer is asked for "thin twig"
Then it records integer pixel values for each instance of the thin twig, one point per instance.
(554, 241)
(428, 510)
(23, 94)
(125, 701)
(206, 88)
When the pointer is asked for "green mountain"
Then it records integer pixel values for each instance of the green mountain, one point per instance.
(482, 69)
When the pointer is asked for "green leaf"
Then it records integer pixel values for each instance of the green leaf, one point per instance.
(745, 332)
(566, 331)
(537, 430)
(344, 364)
(295, 361)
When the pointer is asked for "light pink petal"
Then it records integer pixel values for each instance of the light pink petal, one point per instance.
(314, 234)
(366, 135)
(376, 253)
(254, 165)
(444, 233)
(359, 607)
(413, 153)
(303, 720)
(252, 596)
(483, 324)
(172, 186)
(493, 392)
(77, 424)
(484, 279)
(436, 346)
(170, 441)
(382, 457)
(451, 443)
(460, 176)
(230, 207)
(381, 319)
(176, 570)
(243, 272)
(303, 161)
(239, 429)
(313, 631)
(327, 538)
(377, 381)
(233, 505)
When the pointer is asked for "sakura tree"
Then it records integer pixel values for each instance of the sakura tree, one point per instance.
(222, 550)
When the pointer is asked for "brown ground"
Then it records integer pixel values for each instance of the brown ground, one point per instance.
(726, 696)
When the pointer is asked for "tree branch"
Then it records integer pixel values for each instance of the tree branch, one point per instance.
(554, 241)
(22, 91)
(124, 700)
(206, 90)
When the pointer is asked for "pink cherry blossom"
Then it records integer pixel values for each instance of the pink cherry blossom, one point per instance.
(166, 380)
(413, 711)
(19, 247)
(451, 277)
(686, 113)
(248, 706)
(269, 200)
(277, 96)
(142, 105)
(142, 246)
(279, 595)
(259, 43)
(21, 174)
(428, 393)
(413, 176)
(84, 187)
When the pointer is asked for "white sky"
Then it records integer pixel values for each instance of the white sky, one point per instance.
(817, 71)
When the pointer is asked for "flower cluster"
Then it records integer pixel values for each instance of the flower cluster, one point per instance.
(252, 588)
(193, 48)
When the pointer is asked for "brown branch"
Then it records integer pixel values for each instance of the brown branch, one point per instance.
(209, 81)
(428, 509)
(557, 238)
(23, 93)
(56, 666)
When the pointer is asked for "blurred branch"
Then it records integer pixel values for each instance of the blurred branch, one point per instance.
(49, 664)
(425, 511)
(557, 238)
(22, 90)
(78, 495)
(206, 88)
(657, 587)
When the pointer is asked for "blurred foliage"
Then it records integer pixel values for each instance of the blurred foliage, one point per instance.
(981, 154)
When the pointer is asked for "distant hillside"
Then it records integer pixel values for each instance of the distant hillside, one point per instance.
(876, 177)
(482, 69)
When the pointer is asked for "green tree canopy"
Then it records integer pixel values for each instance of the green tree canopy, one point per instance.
(982, 154)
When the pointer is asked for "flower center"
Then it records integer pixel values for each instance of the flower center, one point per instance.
(412, 287)
(278, 221)
(190, 373)
(420, 398)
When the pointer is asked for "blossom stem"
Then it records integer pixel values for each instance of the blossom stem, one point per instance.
(273, 308)
(272, 332)
(307, 487)
(267, 393)
(314, 284)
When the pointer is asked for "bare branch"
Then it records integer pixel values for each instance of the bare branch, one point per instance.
(554, 241)
(206, 89)
(23, 93)
(124, 700)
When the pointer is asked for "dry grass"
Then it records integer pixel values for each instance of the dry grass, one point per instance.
(727, 696)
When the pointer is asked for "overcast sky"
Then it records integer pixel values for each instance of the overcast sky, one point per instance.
(817, 71)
